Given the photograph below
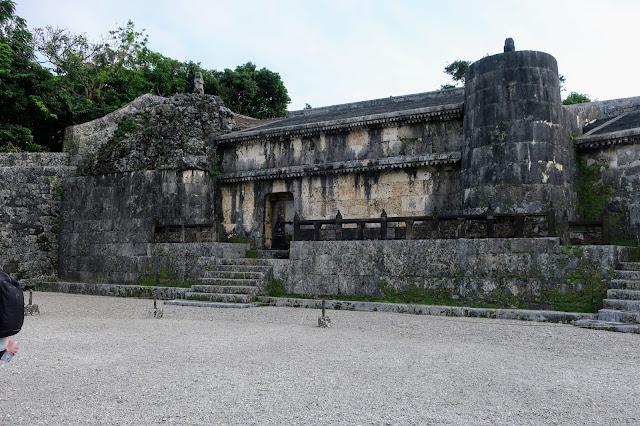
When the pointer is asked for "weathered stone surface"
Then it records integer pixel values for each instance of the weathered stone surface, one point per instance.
(619, 170)
(517, 137)
(30, 213)
(113, 290)
(117, 212)
(499, 271)
(165, 134)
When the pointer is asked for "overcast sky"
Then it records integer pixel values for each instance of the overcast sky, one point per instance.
(332, 52)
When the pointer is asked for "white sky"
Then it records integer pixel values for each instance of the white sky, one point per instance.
(331, 52)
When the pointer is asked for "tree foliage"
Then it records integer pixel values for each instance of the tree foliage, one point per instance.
(576, 98)
(457, 70)
(81, 80)
(256, 93)
(27, 96)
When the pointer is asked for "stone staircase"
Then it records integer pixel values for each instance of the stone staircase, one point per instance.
(232, 282)
(621, 308)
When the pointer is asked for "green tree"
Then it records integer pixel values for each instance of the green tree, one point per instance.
(82, 80)
(27, 95)
(91, 69)
(576, 98)
(256, 93)
(457, 70)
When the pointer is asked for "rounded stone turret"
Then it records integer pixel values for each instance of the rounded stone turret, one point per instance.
(517, 152)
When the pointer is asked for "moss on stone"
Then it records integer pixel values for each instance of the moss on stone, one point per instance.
(583, 290)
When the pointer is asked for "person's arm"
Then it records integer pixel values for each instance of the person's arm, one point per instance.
(11, 346)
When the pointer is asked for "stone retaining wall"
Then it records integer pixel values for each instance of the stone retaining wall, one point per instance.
(30, 203)
(619, 178)
(107, 225)
(525, 273)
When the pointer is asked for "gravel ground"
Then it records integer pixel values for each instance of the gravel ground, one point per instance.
(102, 360)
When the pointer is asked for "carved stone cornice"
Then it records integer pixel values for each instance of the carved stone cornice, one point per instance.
(438, 113)
(344, 167)
(595, 142)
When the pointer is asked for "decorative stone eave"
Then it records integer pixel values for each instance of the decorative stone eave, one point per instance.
(344, 167)
(595, 142)
(438, 113)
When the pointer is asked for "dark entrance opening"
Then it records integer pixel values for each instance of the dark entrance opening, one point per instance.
(278, 226)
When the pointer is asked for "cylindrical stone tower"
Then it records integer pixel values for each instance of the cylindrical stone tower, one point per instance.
(517, 153)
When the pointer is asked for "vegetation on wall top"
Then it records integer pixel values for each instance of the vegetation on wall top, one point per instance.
(82, 80)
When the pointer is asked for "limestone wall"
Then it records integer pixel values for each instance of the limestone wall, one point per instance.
(618, 184)
(406, 170)
(405, 192)
(533, 273)
(107, 225)
(30, 203)
(360, 144)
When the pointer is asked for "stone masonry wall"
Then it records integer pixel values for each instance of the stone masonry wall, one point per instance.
(30, 210)
(359, 144)
(362, 172)
(619, 179)
(107, 225)
(408, 192)
(529, 273)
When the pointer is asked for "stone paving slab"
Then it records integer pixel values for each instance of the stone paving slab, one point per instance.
(448, 311)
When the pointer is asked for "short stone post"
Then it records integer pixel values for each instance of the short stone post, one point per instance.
(360, 230)
(409, 229)
(519, 225)
(198, 83)
(435, 224)
(490, 227)
(324, 321)
(339, 226)
(551, 222)
(296, 227)
(566, 232)
(316, 231)
(157, 313)
(461, 227)
(31, 308)
(383, 225)
(606, 229)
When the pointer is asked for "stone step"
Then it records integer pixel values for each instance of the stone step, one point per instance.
(622, 305)
(219, 297)
(245, 261)
(234, 274)
(627, 275)
(273, 254)
(198, 303)
(609, 326)
(240, 268)
(229, 289)
(625, 284)
(617, 293)
(613, 315)
(628, 266)
(232, 281)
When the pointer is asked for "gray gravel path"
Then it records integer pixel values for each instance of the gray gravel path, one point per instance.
(102, 360)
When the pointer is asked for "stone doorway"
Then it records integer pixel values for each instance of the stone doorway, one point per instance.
(278, 225)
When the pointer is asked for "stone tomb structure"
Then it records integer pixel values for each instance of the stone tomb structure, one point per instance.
(164, 188)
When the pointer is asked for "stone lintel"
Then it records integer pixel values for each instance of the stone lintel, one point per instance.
(595, 142)
(344, 167)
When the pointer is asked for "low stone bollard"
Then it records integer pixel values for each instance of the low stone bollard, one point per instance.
(157, 313)
(324, 321)
(31, 309)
